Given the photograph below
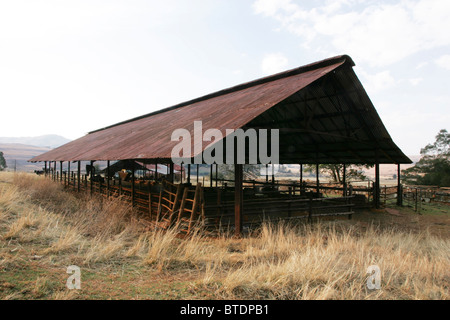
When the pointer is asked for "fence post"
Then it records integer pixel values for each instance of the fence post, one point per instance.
(350, 207)
(415, 207)
(400, 195)
(310, 208)
(78, 176)
(150, 201)
(399, 187)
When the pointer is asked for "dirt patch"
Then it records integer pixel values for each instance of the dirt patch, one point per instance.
(404, 219)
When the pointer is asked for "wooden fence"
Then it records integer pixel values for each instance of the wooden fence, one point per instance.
(262, 201)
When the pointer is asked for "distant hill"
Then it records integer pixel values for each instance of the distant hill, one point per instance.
(48, 141)
(18, 155)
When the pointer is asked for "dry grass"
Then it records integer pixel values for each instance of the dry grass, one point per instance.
(321, 262)
(43, 229)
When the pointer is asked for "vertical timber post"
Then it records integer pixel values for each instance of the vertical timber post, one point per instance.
(211, 175)
(217, 173)
(60, 171)
(181, 174)
(172, 172)
(376, 191)
(92, 180)
(197, 172)
(317, 179)
(68, 173)
(45, 169)
(189, 173)
(273, 175)
(107, 178)
(238, 199)
(132, 184)
(344, 182)
(301, 174)
(79, 176)
(399, 188)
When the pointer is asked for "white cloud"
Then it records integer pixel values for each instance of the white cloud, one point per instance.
(272, 7)
(444, 62)
(273, 63)
(421, 65)
(376, 82)
(379, 33)
(415, 81)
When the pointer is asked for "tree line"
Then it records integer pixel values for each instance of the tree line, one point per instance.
(433, 168)
(2, 162)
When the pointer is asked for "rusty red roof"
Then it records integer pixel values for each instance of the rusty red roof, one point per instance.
(149, 136)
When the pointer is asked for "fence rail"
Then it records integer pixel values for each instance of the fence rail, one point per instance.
(283, 202)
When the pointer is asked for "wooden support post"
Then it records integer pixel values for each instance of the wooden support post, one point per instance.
(45, 169)
(399, 188)
(54, 170)
(79, 176)
(189, 173)
(273, 174)
(197, 172)
(68, 173)
(211, 175)
(217, 171)
(238, 199)
(376, 191)
(172, 174)
(301, 175)
(416, 198)
(317, 180)
(91, 175)
(181, 174)
(60, 171)
(149, 200)
(344, 182)
(99, 182)
(156, 171)
(132, 184)
(107, 178)
(267, 173)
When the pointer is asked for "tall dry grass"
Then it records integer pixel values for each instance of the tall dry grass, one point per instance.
(35, 209)
(326, 262)
(277, 261)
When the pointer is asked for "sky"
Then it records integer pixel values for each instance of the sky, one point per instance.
(70, 67)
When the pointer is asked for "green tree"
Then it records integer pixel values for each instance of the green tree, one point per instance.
(433, 167)
(251, 172)
(2, 162)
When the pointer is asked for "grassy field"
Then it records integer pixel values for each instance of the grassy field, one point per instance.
(44, 229)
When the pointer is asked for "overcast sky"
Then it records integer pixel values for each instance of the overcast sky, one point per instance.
(69, 67)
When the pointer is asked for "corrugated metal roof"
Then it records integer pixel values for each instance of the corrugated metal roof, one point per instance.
(149, 136)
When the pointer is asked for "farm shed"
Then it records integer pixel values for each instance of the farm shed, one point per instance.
(322, 112)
